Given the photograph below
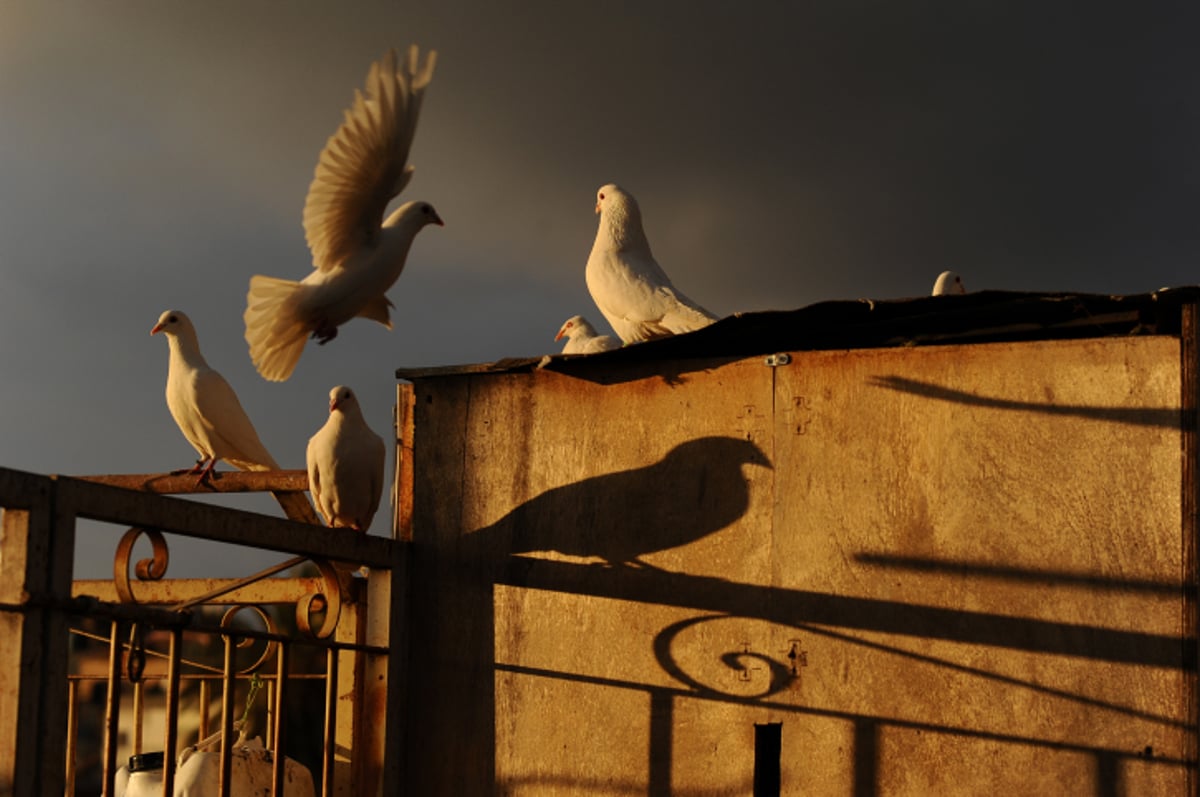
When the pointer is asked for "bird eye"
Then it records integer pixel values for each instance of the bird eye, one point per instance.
(425, 209)
(171, 319)
(602, 196)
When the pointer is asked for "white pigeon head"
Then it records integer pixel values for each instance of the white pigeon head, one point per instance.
(414, 215)
(173, 323)
(614, 199)
(573, 326)
(948, 282)
(342, 398)
(621, 219)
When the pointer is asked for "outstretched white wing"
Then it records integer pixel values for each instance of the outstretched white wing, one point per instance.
(365, 163)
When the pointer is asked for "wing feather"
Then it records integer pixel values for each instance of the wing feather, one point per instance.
(364, 165)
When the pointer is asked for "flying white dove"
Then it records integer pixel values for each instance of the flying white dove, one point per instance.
(582, 338)
(345, 464)
(627, 284)
(948, 282)
(357, 258)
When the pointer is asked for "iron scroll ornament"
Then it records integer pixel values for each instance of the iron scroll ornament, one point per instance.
(152, 569)
(781, 675)
(326, 600)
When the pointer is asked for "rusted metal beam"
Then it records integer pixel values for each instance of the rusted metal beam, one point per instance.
(181, 590)
(288, 487)
(222, 524)
(220, 482)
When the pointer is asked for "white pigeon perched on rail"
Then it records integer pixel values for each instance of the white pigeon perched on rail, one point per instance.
(948, 282)
(345, 464)
(204, 405)
(582, 338)
(626, 282)
(357, 254)
(210, 416)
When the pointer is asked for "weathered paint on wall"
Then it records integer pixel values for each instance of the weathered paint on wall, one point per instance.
(945, 570)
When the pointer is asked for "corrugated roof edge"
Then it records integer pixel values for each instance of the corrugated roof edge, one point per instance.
(981, 317)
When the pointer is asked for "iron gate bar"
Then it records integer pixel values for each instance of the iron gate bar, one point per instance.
(112, 709)
(72, 734)
(279, 758)
(227, 719)
(138, 712)
(171, 740)
(327, 753)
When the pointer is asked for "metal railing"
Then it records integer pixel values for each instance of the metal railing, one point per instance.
(340, 634)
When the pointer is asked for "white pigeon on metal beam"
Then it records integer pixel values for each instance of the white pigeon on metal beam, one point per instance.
(204, 406)
(626, 282)
(948, 282)
(345, 464)
(582, 337)
(357, 254)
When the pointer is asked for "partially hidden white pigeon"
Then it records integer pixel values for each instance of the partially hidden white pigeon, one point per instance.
(582, 338)
(948, 282)
(626, 282)
(357, 254)
(345, 464)
(204, 405)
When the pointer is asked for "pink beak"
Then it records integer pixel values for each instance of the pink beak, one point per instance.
(157, 329)
(561, 332)
(333, 404)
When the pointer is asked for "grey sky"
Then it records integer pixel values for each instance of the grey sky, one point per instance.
(156, 155)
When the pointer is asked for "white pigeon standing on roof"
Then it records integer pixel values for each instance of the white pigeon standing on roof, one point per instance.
(204, 405)
(582, 338)
(345, 464)
(626, 282)
(948, 282)
(357, 254)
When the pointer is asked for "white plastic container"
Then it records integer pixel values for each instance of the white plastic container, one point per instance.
(198, 774)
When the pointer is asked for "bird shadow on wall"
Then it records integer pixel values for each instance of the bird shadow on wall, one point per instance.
(699, 488)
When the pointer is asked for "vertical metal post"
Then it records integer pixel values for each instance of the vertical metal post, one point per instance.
(391, 589)
(36, 556)
(227, 718)
(280, 698)
(331, 693)
(112, 708)
(205, 701)
(139, 713)
(171, 736)
(269, 730)
(1189, 402)
(72, 735)
(353, 723)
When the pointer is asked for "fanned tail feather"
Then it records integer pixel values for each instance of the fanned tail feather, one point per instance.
(275, 334)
